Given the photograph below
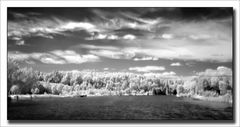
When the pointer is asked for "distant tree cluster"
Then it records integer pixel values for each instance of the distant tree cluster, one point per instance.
(208, 86)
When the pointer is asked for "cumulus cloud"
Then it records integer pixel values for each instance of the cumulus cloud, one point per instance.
(129, 37)
(220, 71)
(112, 37)
(55, 57)
(113, 54)
(170, 74)
(20, 42)
(167, 36)
(106, 69)
(175, 64)
(147, 68)
(171, 53)
(42, 57)
(145, 59)
(78, 26)
(101, 36)
(73, 57)
(49, 60)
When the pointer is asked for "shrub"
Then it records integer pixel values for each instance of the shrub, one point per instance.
(15, 89)
(35, 91)
(209, 94)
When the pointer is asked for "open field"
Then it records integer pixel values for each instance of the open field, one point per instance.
(119, 107)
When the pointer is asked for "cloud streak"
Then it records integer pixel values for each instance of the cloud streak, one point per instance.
(220, 71)
(147, 68)
(176, 64)
(54, 57)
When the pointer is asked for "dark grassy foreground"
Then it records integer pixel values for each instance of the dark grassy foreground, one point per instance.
(119, 107)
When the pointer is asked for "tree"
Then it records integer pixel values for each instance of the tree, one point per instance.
(109, 86)
(55, 77)
(13, 67)
(66, 79)
(76, 79)
(222, 87)
(180, 89)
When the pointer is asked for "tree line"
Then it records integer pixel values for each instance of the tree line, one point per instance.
(27, 81)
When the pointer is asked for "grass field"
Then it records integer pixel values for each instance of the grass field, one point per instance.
(118, 107)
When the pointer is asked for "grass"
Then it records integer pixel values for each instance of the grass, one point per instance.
(118, 107)
(225, 98)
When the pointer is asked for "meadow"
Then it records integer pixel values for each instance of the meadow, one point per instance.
(119, 108)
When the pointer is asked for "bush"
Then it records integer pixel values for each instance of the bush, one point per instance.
(15, 89)
(209, 94)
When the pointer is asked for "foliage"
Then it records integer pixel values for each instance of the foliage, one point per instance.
(26, 81)
(25, 78)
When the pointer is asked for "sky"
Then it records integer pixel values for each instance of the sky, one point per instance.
(171, 41)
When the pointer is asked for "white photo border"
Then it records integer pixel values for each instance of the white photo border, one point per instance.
(130, 3)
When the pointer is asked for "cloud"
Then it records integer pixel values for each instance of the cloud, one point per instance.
(190, 63)
(101, 36)
(147, 68)
(167, 36)
(47, 28)
(220, 71)
(31, 57)
(145, 59)
(175, 64)
(112, 37)
(158, 36)
(75, 58)
(200, 36)
(88, 46)
(18, 56)
(79, 26)
(106, 69)
(170, 74)
(16, 38)
(49, 60)
(20, 42)
(18, 15)
(113, 54)
(185, 50)
(129, 37)
(54, 57)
